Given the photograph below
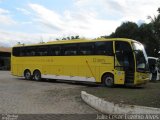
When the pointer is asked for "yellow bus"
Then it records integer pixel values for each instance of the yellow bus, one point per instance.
(115, 61)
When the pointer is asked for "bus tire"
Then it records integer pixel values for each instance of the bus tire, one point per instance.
(27, 75)
(37, 75)
(108, 80)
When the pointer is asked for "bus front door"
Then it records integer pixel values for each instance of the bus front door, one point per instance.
(124, 61)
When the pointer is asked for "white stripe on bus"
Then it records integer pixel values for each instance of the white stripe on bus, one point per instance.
(74, 78)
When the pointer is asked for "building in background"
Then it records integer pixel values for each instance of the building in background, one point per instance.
(5, 58)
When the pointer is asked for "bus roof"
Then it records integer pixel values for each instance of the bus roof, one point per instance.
(77, 41)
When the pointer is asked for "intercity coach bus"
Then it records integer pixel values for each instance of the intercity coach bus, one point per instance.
(116, 61)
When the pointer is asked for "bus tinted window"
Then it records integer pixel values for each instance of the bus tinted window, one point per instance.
(41, 51)
(86, 49)
(104, 48)
(54, 50)
(69, 50)
(30, 51)
(94, 48)
(22, 51)
(16, 51)
(123, 46)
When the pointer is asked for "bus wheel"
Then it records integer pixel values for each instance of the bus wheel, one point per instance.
(27, 75)
(108, 80)
(37, 75)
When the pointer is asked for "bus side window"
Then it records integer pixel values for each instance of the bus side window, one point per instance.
(54, 51)
(86, 49)
(16, 51)
(22, 51)
(31, 51)
(42, 50)
(104, 48)
(27, 51)
(69, 50)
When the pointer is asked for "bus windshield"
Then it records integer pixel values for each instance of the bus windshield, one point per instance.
(141, 56)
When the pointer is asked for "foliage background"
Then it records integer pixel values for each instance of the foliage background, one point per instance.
(147, 34)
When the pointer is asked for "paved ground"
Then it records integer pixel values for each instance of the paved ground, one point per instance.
(20, 96)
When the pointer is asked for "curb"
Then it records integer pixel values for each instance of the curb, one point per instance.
(111, 108)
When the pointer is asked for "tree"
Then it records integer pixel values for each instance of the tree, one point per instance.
(126, 30)
(143, 33)
(155, 21)
(146, 36)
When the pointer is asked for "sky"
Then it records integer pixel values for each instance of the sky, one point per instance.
(34, 21)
